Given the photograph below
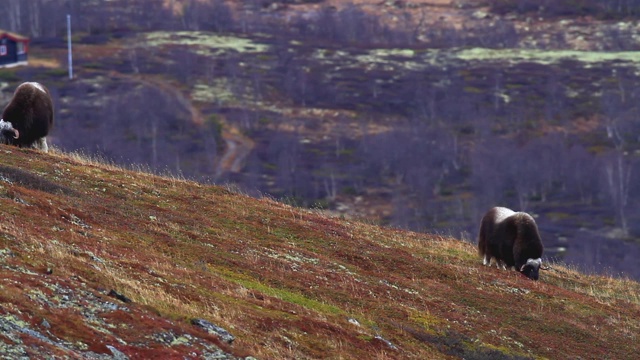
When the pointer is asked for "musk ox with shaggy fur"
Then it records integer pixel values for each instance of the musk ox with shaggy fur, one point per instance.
(28, 117)
(512, 239)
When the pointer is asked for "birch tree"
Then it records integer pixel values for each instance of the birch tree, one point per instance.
(617, 169)
(15, 15)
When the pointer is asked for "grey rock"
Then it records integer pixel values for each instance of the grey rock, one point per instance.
(214, 329)
(117, 354)
(387, 342)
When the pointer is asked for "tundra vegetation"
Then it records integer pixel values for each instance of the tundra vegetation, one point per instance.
(382, 110)
(97, 261)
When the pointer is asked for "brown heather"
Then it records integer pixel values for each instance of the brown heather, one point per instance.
(288, 283)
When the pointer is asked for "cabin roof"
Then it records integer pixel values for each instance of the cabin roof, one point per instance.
(13, 36)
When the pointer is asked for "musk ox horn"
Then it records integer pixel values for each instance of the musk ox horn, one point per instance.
(17, 133)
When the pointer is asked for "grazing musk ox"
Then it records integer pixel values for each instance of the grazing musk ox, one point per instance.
(28, 117)
(511, 238)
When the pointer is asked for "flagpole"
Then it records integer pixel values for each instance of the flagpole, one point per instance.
(69, 46)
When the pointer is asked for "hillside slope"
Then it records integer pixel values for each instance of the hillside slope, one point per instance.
(100, 262)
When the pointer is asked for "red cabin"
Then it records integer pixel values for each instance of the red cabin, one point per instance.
(13, 49)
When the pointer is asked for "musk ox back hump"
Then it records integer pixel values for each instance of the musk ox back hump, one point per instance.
(28, 117)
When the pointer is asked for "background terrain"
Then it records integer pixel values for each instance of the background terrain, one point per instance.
(414, 114)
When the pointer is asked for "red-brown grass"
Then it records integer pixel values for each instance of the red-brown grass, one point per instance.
(288, 283)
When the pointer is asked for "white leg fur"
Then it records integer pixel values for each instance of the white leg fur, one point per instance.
(41, 144)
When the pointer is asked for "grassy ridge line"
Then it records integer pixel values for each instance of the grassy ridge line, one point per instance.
(292, 283)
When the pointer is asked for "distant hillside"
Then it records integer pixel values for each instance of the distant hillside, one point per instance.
(99, 262)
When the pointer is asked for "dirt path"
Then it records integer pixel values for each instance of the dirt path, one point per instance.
(237, 149)
(237, 146)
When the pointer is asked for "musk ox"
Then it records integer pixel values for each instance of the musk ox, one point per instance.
(28, 117)
(511, 238)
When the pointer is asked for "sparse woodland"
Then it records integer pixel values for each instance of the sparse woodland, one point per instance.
(384, 111)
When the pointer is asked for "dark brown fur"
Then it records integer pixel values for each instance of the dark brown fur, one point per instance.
(30, 111)
(513, 240)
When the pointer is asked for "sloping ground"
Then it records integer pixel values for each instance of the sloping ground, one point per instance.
(100, 262)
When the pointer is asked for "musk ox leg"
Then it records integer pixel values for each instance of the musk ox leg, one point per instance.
(41, 144)
(486, 261)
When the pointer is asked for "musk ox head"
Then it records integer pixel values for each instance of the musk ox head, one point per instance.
(531, 268)
(7, 131)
